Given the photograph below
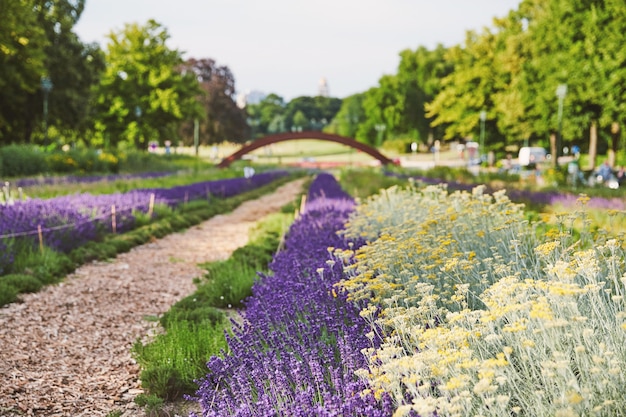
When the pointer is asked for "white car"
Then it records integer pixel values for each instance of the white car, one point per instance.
(531, 155)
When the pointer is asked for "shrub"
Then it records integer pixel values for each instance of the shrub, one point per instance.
(479, 314)
(8, 293)
(22, 161)
(21, 282)
(398, 146)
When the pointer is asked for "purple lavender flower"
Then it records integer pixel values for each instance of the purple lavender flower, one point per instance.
(300, 343)
(69, 221)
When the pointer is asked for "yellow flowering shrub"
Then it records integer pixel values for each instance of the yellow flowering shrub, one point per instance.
(480, 316)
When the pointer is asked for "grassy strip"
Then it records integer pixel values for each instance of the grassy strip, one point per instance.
(39, 268)
(122, 185)
(195, 326)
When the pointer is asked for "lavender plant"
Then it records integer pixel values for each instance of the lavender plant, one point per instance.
(300, 342)
(69, 221)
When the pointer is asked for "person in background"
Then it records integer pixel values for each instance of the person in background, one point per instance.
(605, 171)
(620, 175)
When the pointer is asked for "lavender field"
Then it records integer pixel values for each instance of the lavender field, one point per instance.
(428, 303)
(67, 222)
(300, 344)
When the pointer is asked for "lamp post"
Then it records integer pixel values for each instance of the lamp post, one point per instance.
(46, 87)
(561, 91)
(483, 118)
(380, 128)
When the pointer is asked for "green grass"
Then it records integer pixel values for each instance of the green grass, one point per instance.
(364, 182)
(194, 328)
(48, 266)
(176, 358)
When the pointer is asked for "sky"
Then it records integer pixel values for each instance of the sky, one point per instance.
(287, 46)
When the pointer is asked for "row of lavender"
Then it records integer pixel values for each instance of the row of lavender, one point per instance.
(537, 197)
(300, 344)
(68, 179)
(67, 222)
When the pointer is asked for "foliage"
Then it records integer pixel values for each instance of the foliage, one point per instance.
(398, 145)
(291, 356)
(19, 161)
(143, 95)
(221, 120)
(163, 373)
(310, 113)
(22, 43)
(23, 254)
(262, 115)
(23, 283)
(22, 160)
(347, 119)
(476, 313)
(364, 182)
(173, 360)
(41, 43)
(150, 402)
(8, 294)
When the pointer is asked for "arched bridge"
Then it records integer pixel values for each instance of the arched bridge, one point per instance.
(282, 137)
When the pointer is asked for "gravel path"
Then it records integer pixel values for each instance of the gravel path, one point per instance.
(65, 351)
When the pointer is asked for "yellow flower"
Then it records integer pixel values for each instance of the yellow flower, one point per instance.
(583, 199)
(547, 248)
(574, 398)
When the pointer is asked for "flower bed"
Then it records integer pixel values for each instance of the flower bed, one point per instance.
(67, 222)
(299, 346)
(478, 314)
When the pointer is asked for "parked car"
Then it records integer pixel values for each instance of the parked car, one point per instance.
(531, 155)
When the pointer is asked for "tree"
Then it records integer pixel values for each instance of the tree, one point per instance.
(346, 121)
(262, 115)
(420, 73)
(73, 67)
(383, 106)
(221, 119)
(579, 44)
(143, 95)
(469, 89)
(38, 41)
(318, 112)
(22, 63)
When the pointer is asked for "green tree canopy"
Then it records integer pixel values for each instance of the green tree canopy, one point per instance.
(350, 114)
(22, 64)
(262, 115)
(318, 112)
(143, 95)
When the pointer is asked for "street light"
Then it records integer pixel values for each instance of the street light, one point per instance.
(483, 118)
(380, 128)
(46, 87)
(561, 91)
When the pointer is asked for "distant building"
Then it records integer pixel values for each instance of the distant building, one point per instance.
(322, 88)
(249, 97)
(241, 100)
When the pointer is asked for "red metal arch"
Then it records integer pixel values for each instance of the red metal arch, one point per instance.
(281, 137)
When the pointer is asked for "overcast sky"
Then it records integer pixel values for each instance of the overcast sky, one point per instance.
(287, 46)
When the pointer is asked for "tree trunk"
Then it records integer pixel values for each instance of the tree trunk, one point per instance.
(555, 158)
(593, 145)
(615, 140)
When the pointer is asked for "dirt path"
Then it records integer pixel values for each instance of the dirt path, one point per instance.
(65, 351)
